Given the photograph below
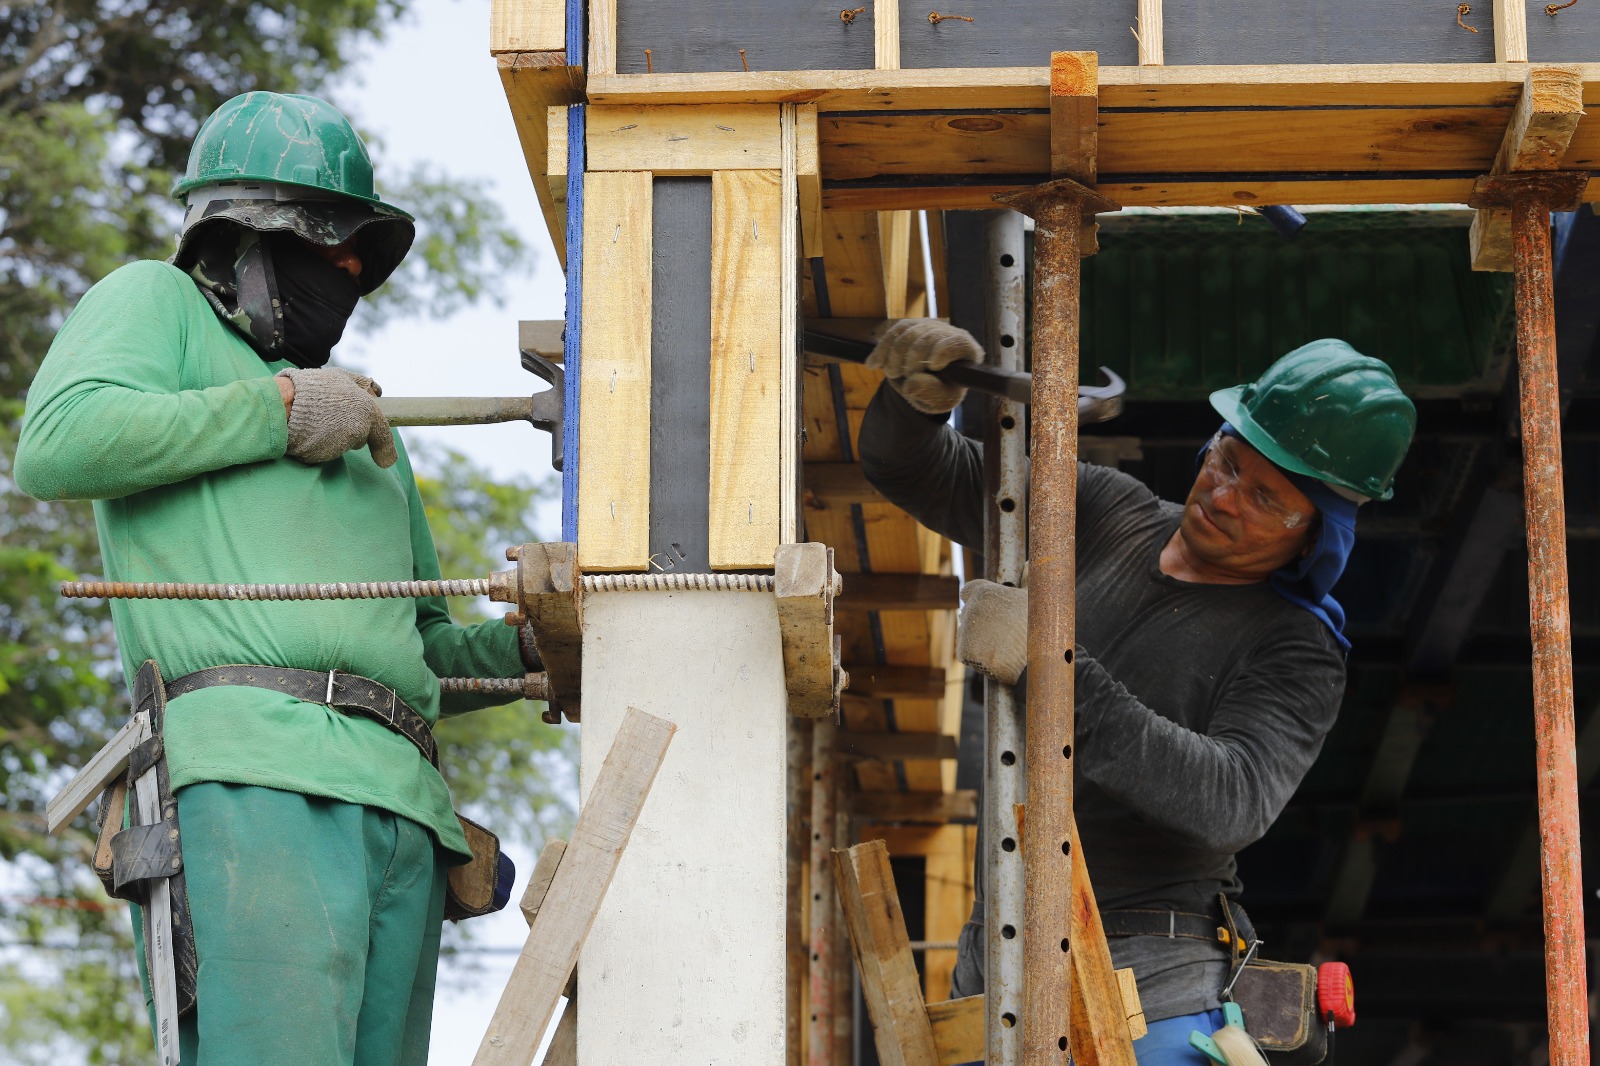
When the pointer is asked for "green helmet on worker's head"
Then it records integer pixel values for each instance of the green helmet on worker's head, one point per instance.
(1328, 412)
(277, 162)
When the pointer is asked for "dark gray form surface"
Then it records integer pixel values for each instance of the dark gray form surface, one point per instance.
(1571, 35)
(680, 376)
(706, 35)
(1016, 33)
(1325, 31)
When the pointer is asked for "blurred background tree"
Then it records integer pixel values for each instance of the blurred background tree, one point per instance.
(99, 100)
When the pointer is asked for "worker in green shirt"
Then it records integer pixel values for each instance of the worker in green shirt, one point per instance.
(191, 402)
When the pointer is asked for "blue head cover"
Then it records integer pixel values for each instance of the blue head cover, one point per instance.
(1308, 581)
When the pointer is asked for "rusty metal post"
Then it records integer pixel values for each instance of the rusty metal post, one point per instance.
(1058, 209)
(825, 914)
(1531, 198)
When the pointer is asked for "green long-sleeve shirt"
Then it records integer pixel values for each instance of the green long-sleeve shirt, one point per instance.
(153, 408)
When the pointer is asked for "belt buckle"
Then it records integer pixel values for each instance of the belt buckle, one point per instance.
(329, 698)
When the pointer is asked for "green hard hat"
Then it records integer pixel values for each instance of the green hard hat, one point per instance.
(1326, 411)
(281, 162)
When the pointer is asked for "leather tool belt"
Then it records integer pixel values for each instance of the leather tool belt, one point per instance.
(352, 694)
(1230, 928)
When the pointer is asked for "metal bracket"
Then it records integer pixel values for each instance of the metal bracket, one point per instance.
(547, 596)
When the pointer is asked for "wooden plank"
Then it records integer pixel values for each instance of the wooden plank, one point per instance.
(543, 337)
(544, 871)
(900, 592)
(534, 82)
(1202, 85)
(746, 367)
(895, 682)
(614, 426)
(602, 37)
(1150, 27)
(889, 983)
(839, 483)
(894, 245)
(961, 805)
(605, 822)
(555, 177)
(809, 172)
(947, 903)
(1510, 31)
(563, 1049)
(1098, 1018)
(958, 1030)
(1131, 1007)
(789, 355)
(1542, 126)
(826, 915)
(107, 763)
(886, 34)
(803, 583)
(527, 26)
(678, 140)
(1074, 115)
(852, 264)
(893, 746)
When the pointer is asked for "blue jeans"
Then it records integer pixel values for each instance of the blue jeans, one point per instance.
(1167, 1042)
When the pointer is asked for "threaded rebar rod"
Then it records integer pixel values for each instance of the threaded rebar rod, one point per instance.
(351, 590)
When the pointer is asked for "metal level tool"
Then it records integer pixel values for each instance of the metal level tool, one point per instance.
(1096, 403)
(545, 410)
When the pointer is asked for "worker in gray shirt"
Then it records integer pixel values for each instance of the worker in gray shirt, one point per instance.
(1211, 654)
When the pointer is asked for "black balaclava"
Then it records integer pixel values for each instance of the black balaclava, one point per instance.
(274, 288)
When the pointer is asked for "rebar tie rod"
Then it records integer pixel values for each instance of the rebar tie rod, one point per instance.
(379, 590)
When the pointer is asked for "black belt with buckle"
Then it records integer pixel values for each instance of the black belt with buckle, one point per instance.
(351, 694)
(1213, 928)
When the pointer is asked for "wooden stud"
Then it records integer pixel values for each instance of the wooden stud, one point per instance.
(900, 592)
(614, 426)
(960, 805)
(544, 871)
(1131, 1007)
(947, 903)
(810, 179)
(958, 1030)
(1151, 27)
(579, 886)
(1099, 1018)
(825, 916)
(535, 84)
(747, 268)
(1074, 115)
(894, 245)
(889, 983)
(544, 337)
(803, 584)
(527, 26)
(789, 355)
(1541, 129)
(1510, 31)
(839, 483)
(897, 746)
(602, 37)
(563, 1049)
(676, 141)
(886, 34)
(853, 264)
(895, 682)
(555, 178)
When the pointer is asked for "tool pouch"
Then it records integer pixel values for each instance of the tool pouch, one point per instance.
(483, 885)
(1279, 1003)
(128, 856)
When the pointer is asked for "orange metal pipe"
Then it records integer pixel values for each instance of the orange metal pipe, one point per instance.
(1566, 985)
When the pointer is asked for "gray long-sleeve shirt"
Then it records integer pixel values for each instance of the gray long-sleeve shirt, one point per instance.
(1199, 707)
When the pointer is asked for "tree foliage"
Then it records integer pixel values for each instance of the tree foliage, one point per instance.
(99, 100)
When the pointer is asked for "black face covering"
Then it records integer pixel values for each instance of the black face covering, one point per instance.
(315, 297)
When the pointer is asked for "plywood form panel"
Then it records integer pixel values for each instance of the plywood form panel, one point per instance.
(1008, 33)
(775, 35)
(746, 273)
(614, 428)
(1571, 35)
(527, 26)
(1323, 31)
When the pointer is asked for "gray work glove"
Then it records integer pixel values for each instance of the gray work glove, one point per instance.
(912, 348)
(334, 411)
(992, 636)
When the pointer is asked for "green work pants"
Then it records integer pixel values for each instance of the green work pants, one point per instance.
(317, 928)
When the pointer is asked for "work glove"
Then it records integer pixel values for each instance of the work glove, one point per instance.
(992, 636)
(911, 349)
(334, 411)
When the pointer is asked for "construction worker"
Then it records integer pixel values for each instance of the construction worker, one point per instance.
(1211, 653)
(191, 401)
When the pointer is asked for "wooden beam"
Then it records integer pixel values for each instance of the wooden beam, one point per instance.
(947, 903)
(900, 1025)
(958, 806)
(803, 584)
(958, 1030)
(1542, 125)
(602, 37)
(534, 82)
(1151, 27)
(809, 172)
(886, 34)
(614, 425)
(555, 178)
(527, 26)
(545, 337)
(579, 886)
(676, 141)
(895, 682)
(790, 358)
(1074, 115)
(897, 746)
(839, 484)
(747, 268)
(1099, 1019)
(544, 871)
(900, 592)
(1510, 31)
(894, 246)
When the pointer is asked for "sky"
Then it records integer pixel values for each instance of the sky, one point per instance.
(430, 93)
